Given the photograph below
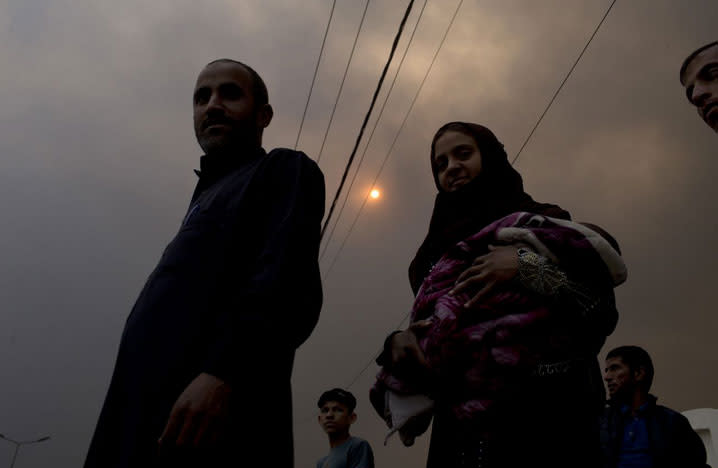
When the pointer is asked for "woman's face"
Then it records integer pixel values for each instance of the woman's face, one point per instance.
(457, 160)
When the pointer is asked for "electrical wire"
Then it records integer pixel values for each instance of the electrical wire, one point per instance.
(366, 367)
(314, 78)
(396, 137)
(562, 83)
(366, 117)
(371, 135)
(344, 78)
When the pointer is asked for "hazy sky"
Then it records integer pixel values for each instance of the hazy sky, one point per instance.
(98, 150)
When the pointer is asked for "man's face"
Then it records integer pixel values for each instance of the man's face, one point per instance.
(620, 380)
(225, 117)
(335, 417)
(701, 82)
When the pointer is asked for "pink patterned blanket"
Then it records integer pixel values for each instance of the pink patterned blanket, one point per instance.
(478, 355)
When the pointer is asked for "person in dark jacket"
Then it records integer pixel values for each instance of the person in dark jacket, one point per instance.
(202, 376)
(635, 431)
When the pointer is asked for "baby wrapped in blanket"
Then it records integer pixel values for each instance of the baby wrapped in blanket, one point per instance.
(479, 355)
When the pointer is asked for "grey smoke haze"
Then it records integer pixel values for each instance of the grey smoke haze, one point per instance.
(98, 150)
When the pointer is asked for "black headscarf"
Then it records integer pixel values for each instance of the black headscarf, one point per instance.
(496, 192)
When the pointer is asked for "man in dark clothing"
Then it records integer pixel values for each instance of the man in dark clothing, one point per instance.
(202, 376)
(635, 431)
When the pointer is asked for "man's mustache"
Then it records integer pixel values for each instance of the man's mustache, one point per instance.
(209, 121)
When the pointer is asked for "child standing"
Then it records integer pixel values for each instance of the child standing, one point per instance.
(336, 415)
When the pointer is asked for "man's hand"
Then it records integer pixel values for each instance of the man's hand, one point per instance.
(199, 414)
(498, 266)
(407, 357)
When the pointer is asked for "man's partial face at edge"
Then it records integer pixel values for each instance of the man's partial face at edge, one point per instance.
(335, 417)
(225, 115)
(700, 80)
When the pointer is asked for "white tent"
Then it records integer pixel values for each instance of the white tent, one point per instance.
(705, 422)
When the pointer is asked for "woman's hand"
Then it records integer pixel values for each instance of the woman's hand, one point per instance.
(407, 357)
(498, 266)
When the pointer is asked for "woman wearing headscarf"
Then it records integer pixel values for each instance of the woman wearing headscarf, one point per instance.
(513, 302)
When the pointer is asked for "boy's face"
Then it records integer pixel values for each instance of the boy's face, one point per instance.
(335, 417)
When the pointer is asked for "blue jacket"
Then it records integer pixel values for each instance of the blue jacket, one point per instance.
(673, 443)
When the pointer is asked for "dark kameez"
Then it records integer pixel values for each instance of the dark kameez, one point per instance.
(233, 295)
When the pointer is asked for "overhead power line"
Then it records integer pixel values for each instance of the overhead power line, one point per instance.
(355, 379)
(394, 45)
(512, 162)
(371, 135)
(316, 70)
(396, 137)
(373, 359)
(423, 81)
(364, 369)
(366, 118)
(563, 83)
(344, 78)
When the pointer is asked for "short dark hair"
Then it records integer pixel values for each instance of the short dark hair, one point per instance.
(259, 88)
(339, 395)
(635, 357)
(692, 56)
